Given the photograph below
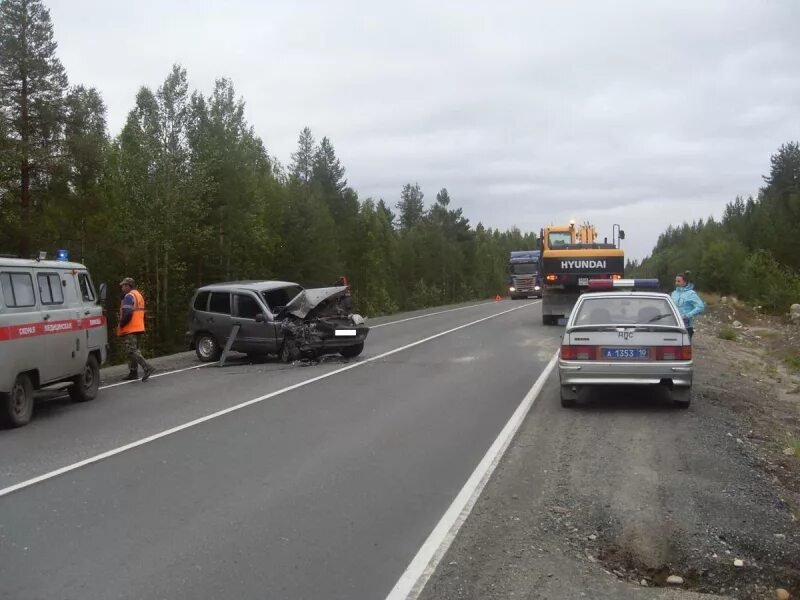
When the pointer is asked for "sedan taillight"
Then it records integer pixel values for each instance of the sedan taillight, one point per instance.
(673, 353)
(578, 352)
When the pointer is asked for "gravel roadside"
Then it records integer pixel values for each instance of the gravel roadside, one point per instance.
(612, 498)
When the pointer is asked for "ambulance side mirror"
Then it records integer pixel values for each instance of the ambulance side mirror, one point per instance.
(103, 293)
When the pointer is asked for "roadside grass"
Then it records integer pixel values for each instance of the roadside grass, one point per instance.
(727, 333)
(794, 443)
(793, 361)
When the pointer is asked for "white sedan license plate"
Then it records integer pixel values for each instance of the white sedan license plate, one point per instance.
(345, 333)
(583, 281)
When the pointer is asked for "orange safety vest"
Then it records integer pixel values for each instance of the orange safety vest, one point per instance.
(136, 324)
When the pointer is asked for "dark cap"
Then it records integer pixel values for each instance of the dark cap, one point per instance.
(127, 281)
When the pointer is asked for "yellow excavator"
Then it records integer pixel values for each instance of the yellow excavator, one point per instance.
(570, 256)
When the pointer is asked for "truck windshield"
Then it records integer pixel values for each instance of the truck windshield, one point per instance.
(525, 268)
(559, 238)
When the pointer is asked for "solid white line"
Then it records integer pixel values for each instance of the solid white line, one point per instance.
(111, 385)
(441, 312)
(225, 411)
(423, 565)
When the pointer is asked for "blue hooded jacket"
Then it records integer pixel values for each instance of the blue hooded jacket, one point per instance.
(688, 303)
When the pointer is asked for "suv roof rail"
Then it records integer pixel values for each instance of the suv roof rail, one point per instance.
(4, 255)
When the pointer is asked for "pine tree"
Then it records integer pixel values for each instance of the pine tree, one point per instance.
(302, 167)
(411, 208)
(32, 86)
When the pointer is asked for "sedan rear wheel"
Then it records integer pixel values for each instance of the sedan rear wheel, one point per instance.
(569, 396)
(681, 396)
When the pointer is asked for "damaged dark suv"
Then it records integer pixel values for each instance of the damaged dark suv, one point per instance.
(275, 317)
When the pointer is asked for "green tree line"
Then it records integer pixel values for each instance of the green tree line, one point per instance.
(753, 251)
(187, 194)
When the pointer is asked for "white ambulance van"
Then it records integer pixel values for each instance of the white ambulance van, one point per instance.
(52, 333)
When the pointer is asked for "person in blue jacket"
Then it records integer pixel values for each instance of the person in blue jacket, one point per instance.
(688, 302)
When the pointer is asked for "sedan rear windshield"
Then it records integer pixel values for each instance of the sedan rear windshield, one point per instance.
(625, 311)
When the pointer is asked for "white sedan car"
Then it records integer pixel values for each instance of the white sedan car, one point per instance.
(625, 337)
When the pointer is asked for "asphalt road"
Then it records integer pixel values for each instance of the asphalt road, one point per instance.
(323, 490)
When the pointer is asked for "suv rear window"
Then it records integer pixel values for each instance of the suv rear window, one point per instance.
(201, 302)
(220, 303)
(17, 289)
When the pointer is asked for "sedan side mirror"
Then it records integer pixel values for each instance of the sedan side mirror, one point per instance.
(260, 318)
(103, 293)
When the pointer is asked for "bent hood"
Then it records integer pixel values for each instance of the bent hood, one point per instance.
(307, 300)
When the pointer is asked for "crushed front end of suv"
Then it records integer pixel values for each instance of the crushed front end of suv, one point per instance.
(321, 321)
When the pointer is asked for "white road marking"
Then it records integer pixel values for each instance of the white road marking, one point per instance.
(424, 563)
(111, 385)
(225, 411)
(441, 312)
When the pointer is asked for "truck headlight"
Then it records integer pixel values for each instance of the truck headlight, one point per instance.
(537, 288)
(512, 289)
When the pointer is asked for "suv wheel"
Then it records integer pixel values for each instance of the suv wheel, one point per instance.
(85, 386)
(289, 351)
(207, 348)
(352, 351)
(17, 405)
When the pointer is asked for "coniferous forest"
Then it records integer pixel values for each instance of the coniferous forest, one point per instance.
(187, 193)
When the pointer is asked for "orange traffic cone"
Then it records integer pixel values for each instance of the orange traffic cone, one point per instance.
(497, 298)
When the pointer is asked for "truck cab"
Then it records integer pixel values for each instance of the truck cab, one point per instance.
(571, 255)
(524, 279)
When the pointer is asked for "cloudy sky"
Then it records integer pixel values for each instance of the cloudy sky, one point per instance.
(630, 112)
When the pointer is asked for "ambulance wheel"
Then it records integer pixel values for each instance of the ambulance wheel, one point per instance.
(207, 348)
(85, 386)
(17, 405)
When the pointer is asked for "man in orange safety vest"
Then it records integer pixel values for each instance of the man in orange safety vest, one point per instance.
(131, 328)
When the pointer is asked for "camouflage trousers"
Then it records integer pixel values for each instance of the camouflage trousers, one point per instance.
(135, 358)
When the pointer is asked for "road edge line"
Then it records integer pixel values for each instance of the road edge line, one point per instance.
(413, 580)
(156, 436)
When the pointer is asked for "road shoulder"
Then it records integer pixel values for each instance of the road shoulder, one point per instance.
(610, 499)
